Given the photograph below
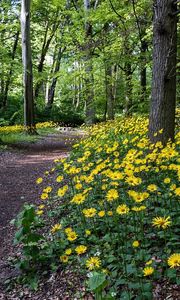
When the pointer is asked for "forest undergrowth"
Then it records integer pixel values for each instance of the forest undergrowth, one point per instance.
(113, 217)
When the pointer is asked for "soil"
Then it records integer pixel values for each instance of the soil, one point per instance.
(19, 168)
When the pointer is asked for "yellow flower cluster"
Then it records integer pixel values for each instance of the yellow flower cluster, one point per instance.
(20, 128)
(121, 200)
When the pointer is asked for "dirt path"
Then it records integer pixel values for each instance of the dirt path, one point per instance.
(19, 169)
(18, 173)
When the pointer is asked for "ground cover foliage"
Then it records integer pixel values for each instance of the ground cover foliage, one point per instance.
(113, 217)
(18, 133)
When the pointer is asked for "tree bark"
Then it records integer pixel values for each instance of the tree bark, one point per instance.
(162, 109)
(27, 65)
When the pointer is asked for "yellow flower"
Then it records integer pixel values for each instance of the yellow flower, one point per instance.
(41, 206)
(56, 228)
(115, 175)
(78, 199)
(135, 244)
(105, 271)
(80, 249)
(64, 258)
(174, 260)
(167, 180)
(72, 236)
(88, 232)
(59, 178)
(149, 262)
(39, 212)
(161, 222)
(62, 191)
(138, 208)
(173, 187)
(112, 195)
(68, 230)
(47, 190)
(44, 196)
(148, 271)
(132, 180)
(89, 213)
(104, 186)
(101, 213)
(177, 191)
(93, 263)
(78, 186)
(68, 251)
(114, 183)
(122, 209)
(110, 213)
(39, 180)
(152, 188)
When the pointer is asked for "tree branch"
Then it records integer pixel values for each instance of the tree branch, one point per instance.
(120, 17)
(137, 21)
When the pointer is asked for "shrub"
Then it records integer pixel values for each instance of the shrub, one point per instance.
(114, 212)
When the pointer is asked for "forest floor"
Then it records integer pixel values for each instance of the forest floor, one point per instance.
(20, 166)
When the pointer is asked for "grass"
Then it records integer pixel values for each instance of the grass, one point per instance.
(13, 134)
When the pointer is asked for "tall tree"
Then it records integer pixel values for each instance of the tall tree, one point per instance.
(162, 110)
(89, 79)
(27, 65)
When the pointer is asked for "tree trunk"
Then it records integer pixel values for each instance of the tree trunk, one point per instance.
(129, 88)
(52, 88)
(162, 110)
(44, 51)
(27, 65)
(2, 92)
(8, 81)
(109, 91)
(143, 73)
(89, 78)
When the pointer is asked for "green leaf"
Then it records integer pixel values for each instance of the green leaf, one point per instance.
(126, 295)
(97, 281)
(33, 283)
(130, 269)
(133, 285)
(171, 273)
(147, 296)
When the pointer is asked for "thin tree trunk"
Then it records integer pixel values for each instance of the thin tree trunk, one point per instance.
(89, 78)
(162, 110)
(44, 51)
(129, 88)
(109, 91)
(27, 64)
(8, 81)
(115, 78)
(52, 88)
(143, 73)
(2, 92)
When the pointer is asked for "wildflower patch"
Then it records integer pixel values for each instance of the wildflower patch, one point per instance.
(115, 213)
